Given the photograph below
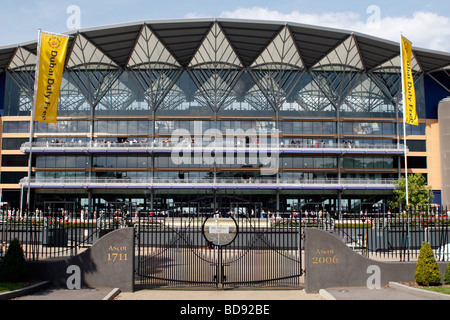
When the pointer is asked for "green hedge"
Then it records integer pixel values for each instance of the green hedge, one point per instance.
(427, 270)
(13, 267)
(447, 275)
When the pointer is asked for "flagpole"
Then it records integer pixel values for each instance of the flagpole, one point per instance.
(45, 101)
(33, 107)
(404, 139)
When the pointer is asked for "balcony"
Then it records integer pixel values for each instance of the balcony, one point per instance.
(209, 183)
(167, 147)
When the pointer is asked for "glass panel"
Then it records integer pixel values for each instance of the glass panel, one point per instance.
(307, 127)
(120, 99)
(81, 161)
(122, 127)
(367, 100)
(413, 130)
(248, 100)
(180, 100)
(150, 51)
(368, 128)
(90, 70)
(214, 50)
(40, 162)
(339, 72)
(111, 161)
(100, 161)
(121, 161)
(132, 161)
(50, 162)
(307, 100)
(279, 68)
(417, 145)
(132, 126)
(22, 59)
(70, 161)
(308, 162)
(344, 55)
(19, 88)
(71, 101)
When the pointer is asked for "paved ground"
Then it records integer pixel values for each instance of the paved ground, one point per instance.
(384, 294)
(64, 294)
(254, 295)
(387, 293)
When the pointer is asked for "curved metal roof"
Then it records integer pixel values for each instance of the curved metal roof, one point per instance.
(248, 38)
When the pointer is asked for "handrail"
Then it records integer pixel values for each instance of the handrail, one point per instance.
(177, 146)
(208, 181)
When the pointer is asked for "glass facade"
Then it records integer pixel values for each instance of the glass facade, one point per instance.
(334, 124)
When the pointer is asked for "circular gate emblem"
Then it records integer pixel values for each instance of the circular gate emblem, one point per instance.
(220, 231)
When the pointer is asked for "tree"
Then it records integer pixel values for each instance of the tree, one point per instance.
(427, 270)
(13, 268)
(447, 274)
(419, 193)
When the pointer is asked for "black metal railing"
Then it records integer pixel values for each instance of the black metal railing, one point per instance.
(61, 230)
(394, 236)
(56, 233)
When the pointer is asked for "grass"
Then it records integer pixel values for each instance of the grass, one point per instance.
(5, 287)
(442, 289)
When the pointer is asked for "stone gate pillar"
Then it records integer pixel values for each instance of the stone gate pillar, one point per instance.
(108, 263)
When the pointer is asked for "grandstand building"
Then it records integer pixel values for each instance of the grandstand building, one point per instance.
(214, 115)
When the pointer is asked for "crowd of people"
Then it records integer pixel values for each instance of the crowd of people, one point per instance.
(167, 142)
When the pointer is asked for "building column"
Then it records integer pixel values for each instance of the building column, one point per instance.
(278, 200)
(339, 204)
(151, 199)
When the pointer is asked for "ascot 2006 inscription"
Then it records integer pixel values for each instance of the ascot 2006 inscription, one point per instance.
(325, 256)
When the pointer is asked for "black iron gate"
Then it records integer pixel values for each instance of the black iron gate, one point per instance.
(217, 250)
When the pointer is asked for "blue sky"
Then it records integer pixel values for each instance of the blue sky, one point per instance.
(425, 23)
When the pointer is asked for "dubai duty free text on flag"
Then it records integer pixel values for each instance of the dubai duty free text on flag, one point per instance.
(49, 71)
(409, 93)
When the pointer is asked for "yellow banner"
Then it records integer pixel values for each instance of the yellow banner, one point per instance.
(408, 84)
(52, 56)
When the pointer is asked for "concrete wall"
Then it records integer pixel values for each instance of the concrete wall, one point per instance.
(108, 263)
(331, 264)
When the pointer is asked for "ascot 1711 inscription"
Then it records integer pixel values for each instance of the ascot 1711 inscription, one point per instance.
(116, 254)
(325, 256)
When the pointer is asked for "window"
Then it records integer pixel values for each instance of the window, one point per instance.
(12, 177)
(62, 162)
(15, 161)
(63, 127)
(368, 162)
(368, 128)
(308, 162)
(13, 143)
(415, 162)
(16, 127)
(417, 145)
(411, 130)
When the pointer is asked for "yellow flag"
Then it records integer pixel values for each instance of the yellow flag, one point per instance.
(409, 93)
(52, 55)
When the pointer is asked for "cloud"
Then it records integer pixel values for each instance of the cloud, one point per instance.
(425, 29)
